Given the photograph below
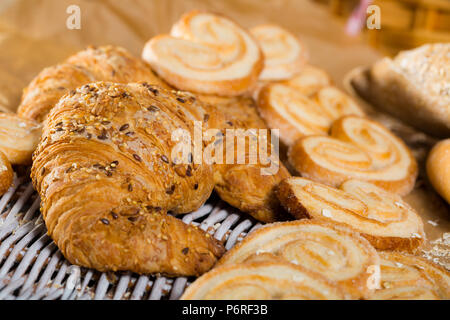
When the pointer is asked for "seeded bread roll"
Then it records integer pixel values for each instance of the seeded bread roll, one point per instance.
(414, 87)
(107, 174)
(107, 63)
(438, 168)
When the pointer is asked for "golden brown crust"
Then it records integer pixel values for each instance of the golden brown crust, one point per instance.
(19, 137)
(244, 186)
(107, 63)
(357, 149)
(267, 280)
(438, 168)
(336, 252)
(200, 56)
(384, 219)
(6, 173)
(107, 175)
(408, 277)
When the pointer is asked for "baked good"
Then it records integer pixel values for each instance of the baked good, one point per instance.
(262, 281)
(206, 53)
(19, 137)
(285, 107)
(414, 87)
(407, 277)
(107, 175)
(284, 54)
(246, 179)
(6, 173)
(106, 63)
(358, 148)
(438, 168)
(336, 252)
(309, 80)
(383, 218)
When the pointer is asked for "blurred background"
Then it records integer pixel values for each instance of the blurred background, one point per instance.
(34, 34)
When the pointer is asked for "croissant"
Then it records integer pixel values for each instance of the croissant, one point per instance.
(245, 186)
(107, 175)
(107, 63)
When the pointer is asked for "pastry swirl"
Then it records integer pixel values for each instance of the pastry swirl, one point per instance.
(6, 173)
(107, 177)
(358, 148)
(336, 252)
(267, 280)
(106, 63)
(381, 217)
(284, 54)
(206, 53)
(408, 277)
(296, 115)
(310, 80)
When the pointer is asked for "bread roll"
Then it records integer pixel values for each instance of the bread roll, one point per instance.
(358, 148)
(206, 53)
(381, 217)
(107, 175)
(414, 87)
(438, 168)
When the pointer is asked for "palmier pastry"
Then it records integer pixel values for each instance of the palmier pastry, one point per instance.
(19, 137)
(106, 174)
(334, 251)
(246, 182)
(407, 277)
(296, 115)
(284, 54)
(381, 217)
(414, 87)
(438, 168)
(6, 173)
(206, 53)
(358, 148)
(105, 63)
(310, 80)
(268, 280)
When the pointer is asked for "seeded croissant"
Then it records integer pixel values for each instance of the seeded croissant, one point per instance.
(107, 63)
(106, 178)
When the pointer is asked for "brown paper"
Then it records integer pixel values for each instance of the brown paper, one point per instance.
(33, 35)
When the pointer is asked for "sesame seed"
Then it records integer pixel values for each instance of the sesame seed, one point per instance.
(185, 251)
(104, 221)
(124, 127)
(137, 157)
(114, 215)
(165, 159)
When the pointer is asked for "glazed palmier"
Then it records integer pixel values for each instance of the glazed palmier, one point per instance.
(358, 148)
(383, 218)
(336, 252)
